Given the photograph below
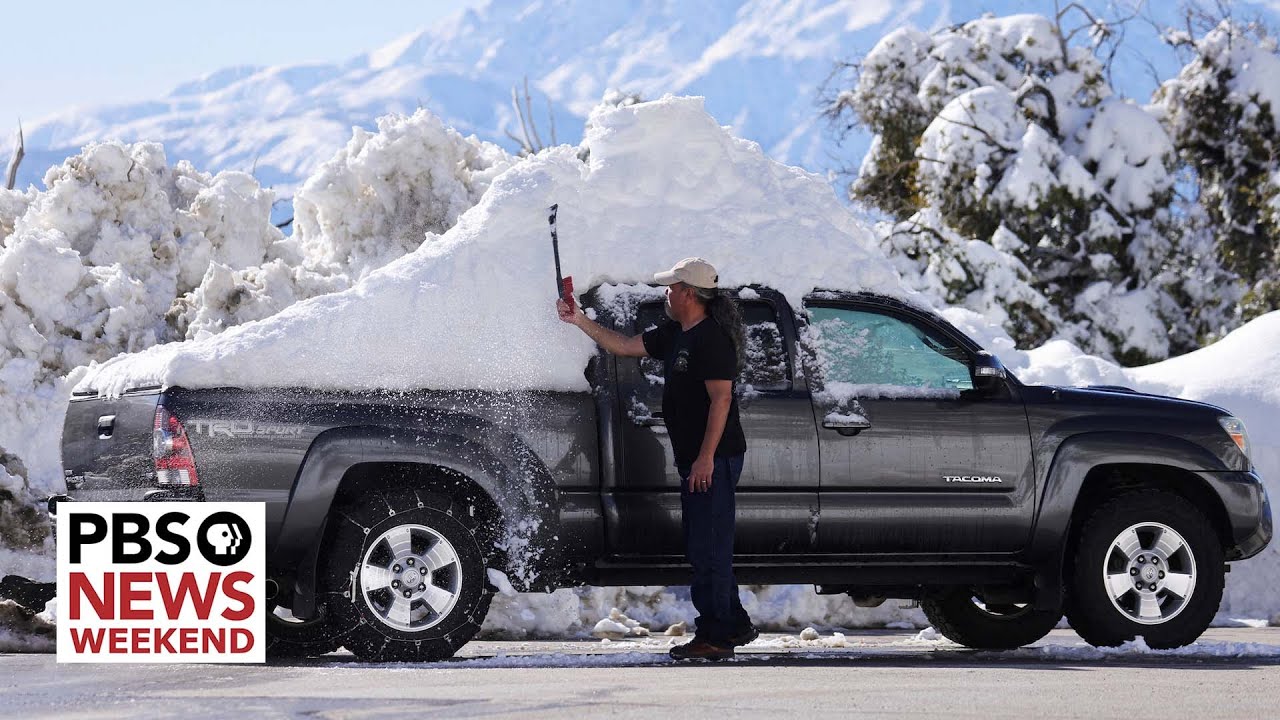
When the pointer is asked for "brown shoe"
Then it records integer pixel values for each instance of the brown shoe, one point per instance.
(701, 650)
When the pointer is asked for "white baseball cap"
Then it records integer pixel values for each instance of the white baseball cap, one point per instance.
(691, 271)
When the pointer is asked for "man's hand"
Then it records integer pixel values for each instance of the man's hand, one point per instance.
(567, 313)
(700, 474)
(611, 340)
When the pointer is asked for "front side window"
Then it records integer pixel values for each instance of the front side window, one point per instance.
(858, 353)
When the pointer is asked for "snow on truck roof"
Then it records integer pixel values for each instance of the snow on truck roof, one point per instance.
(474, 308)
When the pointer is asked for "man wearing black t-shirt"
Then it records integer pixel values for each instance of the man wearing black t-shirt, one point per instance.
(701, 352)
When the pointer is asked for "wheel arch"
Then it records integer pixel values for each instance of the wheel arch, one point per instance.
(503, 478)
(1107, 481)
(1083, 474)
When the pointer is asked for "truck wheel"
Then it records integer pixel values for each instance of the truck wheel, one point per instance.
(1148, 563)
(291, 638)
(407, 575)
(963, 619)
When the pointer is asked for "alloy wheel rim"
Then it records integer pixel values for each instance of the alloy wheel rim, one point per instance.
(410, 577)
(1149, 573)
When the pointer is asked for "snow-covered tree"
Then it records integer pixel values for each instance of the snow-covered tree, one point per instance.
(1001, 131)
(1221, 112)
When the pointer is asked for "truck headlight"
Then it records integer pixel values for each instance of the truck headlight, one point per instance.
(1235, 428)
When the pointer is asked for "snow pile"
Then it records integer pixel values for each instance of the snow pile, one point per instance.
(618, 626)
(1237, 373)
(124, 251)
(375, 200)
(22, 630)
(89, 269)
(773, 608)
(639, 196)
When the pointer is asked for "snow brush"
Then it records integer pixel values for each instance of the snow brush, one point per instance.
(564, 285)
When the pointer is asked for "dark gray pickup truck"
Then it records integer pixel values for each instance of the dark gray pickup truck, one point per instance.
(890, 456)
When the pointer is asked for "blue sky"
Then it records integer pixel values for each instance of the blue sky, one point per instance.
(56, 54)
(60, 54)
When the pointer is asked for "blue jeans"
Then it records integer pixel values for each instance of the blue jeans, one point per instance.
(708, 519)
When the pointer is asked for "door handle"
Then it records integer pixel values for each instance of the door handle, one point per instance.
(106, 426)
(847, 428)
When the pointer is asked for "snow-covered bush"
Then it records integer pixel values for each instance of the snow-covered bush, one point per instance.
(89, 268)
(378, 198)
(999, 131)
(1221, 112)
(123, 252)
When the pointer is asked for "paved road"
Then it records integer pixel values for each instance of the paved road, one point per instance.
(1231, 673)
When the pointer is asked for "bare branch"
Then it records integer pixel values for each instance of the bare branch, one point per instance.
(524, 145)
(551, 118)
(528, 108)
(1062, 12)
(527, 143)
(19, 152)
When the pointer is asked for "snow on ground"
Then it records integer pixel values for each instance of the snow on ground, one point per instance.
(91, 268)
(21, 630)
(1139, 648)
(575, 612)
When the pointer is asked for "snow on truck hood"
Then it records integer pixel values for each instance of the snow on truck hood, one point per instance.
(474, 308)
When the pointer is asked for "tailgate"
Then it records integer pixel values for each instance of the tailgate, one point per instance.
(106, 445)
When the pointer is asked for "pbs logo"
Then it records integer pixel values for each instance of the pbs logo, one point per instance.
(224, 538)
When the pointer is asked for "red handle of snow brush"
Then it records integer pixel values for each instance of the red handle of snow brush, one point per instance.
(566, 292)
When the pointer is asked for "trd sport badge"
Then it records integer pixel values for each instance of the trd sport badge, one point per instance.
(163, 582)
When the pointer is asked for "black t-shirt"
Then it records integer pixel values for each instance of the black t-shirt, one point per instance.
(689, 359)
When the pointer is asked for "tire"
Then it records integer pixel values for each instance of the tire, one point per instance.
(289, 638)
(382, 543)
(958, 615)
(1108, 612)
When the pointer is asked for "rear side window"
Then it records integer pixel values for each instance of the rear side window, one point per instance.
(765, 365)
(869, 354)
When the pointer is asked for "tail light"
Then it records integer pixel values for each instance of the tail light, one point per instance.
(175, 463)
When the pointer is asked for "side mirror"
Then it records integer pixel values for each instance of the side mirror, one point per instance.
(988, 373)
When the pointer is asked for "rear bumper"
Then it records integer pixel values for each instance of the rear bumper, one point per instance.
(139, 494)
(1248, 511)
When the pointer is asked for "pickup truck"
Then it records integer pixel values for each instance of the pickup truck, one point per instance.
(890, 456)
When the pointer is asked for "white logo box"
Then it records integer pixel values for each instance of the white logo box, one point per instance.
(165, 608)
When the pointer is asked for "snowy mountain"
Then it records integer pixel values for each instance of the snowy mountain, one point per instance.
(760, 64)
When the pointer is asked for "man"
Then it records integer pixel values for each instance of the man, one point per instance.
(702, 354)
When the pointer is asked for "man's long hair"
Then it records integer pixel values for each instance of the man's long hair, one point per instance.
(724, 310)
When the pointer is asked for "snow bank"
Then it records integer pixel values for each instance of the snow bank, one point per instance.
(1237, 373)
(124, 251)
(773, 608)
(91, 268)
(375, 200)
(481, 290)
